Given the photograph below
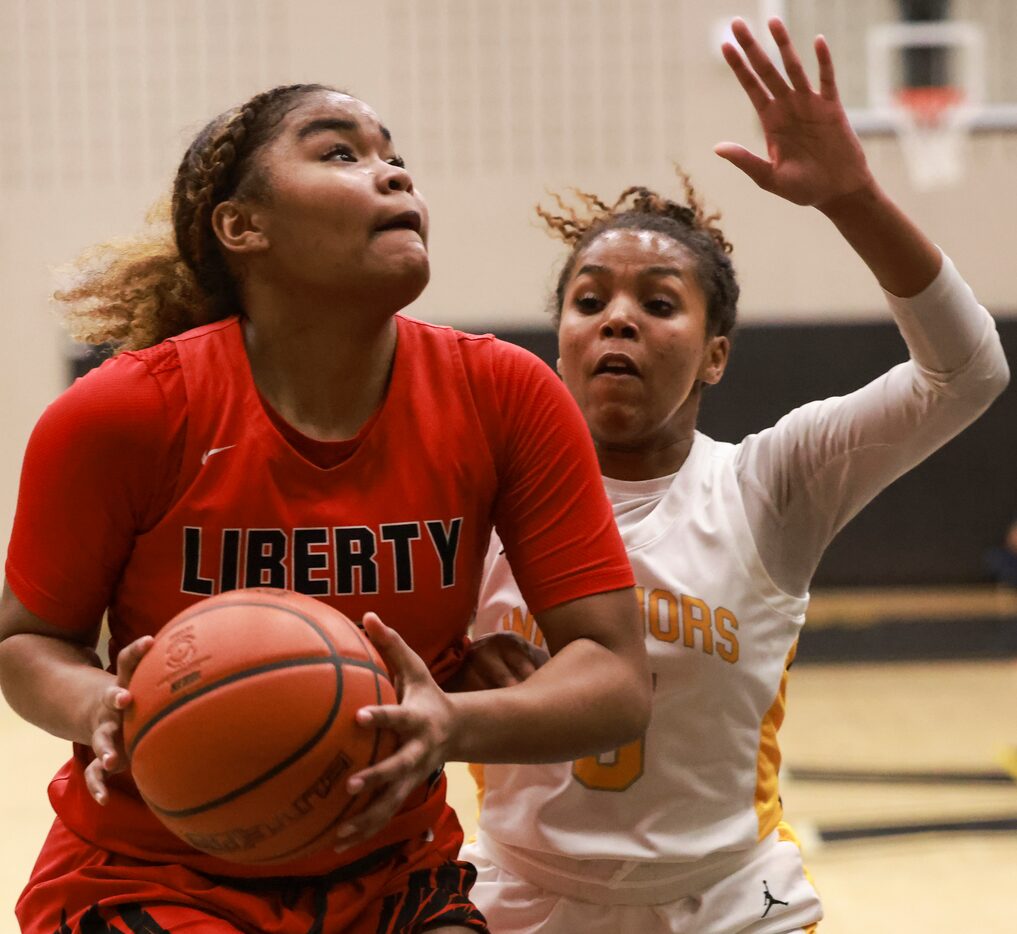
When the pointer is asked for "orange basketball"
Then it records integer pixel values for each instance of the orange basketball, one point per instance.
(241, 735)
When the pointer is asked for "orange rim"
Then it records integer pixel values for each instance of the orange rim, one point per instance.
(928, 104)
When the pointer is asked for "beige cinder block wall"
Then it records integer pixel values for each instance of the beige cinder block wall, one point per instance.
(491, 101)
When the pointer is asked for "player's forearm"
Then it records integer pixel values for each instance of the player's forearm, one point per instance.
(901, 257)
(585, 700)
(52, 683)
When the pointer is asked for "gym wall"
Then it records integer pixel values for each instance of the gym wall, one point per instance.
(493, 103)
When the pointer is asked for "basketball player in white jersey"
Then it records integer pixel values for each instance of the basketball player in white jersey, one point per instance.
(682, 831)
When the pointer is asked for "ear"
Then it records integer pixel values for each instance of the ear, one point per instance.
(557, 366)
(715, 361)
(238, 227)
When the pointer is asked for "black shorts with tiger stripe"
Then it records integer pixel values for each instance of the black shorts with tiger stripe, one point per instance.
(433, 898)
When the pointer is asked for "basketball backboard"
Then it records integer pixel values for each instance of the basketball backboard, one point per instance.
(933, 80)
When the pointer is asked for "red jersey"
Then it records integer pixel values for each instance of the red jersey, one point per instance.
(161, 478)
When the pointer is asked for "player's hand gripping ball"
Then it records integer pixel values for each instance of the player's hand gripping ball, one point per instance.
(242, 733)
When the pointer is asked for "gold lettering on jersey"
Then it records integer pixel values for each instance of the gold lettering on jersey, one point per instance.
(696, 619)
(726, 623)
(521, 621)
(662, 616)
(681, 619)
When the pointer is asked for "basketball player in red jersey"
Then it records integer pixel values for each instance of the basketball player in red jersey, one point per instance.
(274, 422)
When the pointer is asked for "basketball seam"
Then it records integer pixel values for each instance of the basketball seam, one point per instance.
(186, 699)
(272, 772)
(334, 659)
(337, 662)
(333, 654)
(344, 811)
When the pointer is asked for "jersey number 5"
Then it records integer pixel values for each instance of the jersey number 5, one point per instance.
(611, 771)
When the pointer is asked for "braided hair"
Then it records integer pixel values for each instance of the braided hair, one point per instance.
(135, 293)
(639, 208)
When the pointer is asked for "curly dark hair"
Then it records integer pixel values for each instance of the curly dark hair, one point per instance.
(135, 293)
(639, 208)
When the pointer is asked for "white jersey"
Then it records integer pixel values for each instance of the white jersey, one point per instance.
(722, 552)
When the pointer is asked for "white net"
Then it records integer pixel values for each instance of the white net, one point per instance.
(932, 125)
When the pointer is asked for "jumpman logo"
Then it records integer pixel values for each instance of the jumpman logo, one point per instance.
(770, 900)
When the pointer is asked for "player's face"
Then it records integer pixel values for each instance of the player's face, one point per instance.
(341, 213)
(633, 340)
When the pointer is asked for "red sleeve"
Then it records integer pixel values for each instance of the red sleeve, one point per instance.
(551, 512)
(99, 469)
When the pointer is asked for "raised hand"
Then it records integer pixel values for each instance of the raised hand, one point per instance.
(108, 720)
(814, 156)
(424, 720)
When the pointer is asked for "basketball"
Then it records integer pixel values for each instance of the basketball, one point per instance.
(242, 734)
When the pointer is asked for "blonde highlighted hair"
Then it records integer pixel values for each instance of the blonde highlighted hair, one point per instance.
(173, 276)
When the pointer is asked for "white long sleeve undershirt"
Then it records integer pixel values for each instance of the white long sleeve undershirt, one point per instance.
(803, 479)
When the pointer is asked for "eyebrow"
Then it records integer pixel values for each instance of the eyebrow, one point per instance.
(335, 124)
(663, 271)
(649, 271)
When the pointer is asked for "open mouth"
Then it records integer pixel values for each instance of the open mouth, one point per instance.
(408, 220)
(616, 364)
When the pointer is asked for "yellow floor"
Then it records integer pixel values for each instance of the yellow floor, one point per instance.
(921, 716)
(941, 716)
(865, 606)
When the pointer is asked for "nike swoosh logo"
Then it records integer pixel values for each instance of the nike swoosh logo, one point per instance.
(211, 451)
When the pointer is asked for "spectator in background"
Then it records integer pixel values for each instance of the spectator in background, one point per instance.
(1001, 561)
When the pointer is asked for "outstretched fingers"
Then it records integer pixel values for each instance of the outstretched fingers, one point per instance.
(759, 60)
(814, 157)
(789, 56)
(753, 87)
(827, 79)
